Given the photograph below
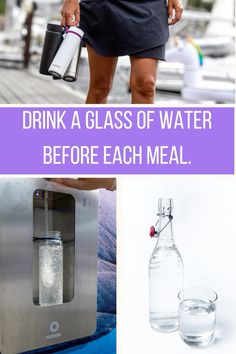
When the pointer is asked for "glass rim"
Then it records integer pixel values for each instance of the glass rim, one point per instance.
(49, 235)
(212, 298)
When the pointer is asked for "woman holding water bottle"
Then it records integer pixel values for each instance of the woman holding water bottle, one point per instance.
(113, 28)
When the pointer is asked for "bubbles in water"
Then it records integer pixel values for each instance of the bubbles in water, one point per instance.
(50, 273)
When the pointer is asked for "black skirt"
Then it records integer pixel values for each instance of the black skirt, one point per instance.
(126, 27)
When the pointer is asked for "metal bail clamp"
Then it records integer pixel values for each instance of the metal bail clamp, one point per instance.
(153, 231)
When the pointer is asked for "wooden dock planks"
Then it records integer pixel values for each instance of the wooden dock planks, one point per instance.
(24, 87)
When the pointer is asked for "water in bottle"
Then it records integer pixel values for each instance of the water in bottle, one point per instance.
(165, 273)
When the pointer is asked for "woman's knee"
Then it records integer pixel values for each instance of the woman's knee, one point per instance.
(100, 89)
(144, 86)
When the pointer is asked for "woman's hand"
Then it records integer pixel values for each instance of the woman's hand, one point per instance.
(86, 183)
(70, 13)
(175, 9)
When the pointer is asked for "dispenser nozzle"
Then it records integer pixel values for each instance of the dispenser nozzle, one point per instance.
(46, 197)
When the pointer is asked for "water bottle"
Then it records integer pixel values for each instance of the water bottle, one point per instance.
(73, 69)
(166, 273)
(52, 41)
(50, 269)
(65, 53)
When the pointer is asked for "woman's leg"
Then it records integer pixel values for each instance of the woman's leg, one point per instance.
(143, 79)
(102, 71)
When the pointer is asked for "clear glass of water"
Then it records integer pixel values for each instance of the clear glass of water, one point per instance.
(197, 316)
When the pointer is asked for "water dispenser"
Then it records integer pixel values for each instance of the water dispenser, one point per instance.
(48, 264)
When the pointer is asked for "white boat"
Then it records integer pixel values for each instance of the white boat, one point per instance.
(219, 36)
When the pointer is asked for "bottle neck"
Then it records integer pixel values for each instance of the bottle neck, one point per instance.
(166, 236)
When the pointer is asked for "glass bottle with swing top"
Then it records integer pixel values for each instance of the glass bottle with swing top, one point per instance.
(166, 272)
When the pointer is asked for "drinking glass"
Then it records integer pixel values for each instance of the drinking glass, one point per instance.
(197, 316)
(51, 269)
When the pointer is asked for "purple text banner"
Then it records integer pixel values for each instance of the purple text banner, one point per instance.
(116, 140)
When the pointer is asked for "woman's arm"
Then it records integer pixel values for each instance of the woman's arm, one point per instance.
(87, 183)
(175, 9)
(70, 13)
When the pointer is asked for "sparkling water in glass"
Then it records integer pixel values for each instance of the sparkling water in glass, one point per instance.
(50, 271)
(197, 316)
